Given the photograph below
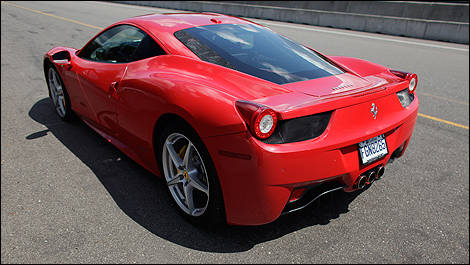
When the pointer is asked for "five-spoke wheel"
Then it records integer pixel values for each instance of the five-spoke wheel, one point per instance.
(58, 94)
(185, 174)
(190, 174)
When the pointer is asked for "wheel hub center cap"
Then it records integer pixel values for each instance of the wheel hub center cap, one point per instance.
(186, 176)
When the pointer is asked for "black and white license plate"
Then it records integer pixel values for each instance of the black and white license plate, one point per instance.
(373, 149)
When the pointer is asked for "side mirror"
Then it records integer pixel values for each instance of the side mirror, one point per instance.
(61, 58)
(62, 62)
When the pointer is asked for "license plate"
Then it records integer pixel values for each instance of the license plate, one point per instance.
(373, 149)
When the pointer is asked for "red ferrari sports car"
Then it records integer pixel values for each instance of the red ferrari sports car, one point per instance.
(242, 123)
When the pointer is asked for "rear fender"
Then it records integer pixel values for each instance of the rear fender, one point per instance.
(361, 67)
(149, 92)
(209, 112)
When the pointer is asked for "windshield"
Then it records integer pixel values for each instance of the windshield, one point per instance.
(256, 51)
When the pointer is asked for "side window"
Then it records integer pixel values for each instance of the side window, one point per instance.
(148, 48)
(120, 44)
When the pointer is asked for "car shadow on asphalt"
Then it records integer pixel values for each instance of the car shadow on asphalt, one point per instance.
(144, 198)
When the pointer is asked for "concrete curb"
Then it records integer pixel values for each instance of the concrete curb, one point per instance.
(416, 28)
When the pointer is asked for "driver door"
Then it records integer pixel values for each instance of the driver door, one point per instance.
(100, 66)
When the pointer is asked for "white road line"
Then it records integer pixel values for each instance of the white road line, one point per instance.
(363, 36)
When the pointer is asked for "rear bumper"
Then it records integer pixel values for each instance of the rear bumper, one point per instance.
(257, 179)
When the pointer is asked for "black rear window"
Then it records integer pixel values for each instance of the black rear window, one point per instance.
(256, 51)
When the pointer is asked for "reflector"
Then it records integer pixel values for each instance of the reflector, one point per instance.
(296, 194)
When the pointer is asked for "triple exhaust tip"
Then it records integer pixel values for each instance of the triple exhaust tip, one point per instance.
(370, 176)
(361, 183)
(380, 172)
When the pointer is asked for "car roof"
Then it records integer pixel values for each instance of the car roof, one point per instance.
(163, 26)
(172, 22)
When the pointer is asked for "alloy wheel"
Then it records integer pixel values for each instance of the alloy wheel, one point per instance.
(57, 92)
(185, 174)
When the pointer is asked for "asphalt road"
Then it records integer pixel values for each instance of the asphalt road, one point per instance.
(69, 196)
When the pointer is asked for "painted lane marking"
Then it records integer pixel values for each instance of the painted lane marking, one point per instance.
(443, 121)
(365, 36)
(54, 16)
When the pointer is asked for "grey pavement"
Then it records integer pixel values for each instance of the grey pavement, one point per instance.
(68, 196)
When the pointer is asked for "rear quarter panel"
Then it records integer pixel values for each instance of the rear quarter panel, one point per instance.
(359, 66)
(153, 87)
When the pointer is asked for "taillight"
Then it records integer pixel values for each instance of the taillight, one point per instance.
(413, 82)
(260, 119)
(412, 78)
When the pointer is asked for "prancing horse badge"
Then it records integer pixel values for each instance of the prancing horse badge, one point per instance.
(373, 110)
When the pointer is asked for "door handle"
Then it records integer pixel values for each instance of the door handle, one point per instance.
(114, 86)
(113, 89)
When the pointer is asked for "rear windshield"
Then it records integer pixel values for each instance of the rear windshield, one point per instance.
(256, 51)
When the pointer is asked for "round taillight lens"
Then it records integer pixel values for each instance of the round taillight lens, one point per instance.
(412, 85)
(413, 82)
(265, 123)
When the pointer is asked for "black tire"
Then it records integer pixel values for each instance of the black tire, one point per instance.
(215, 211)
(69, 115)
